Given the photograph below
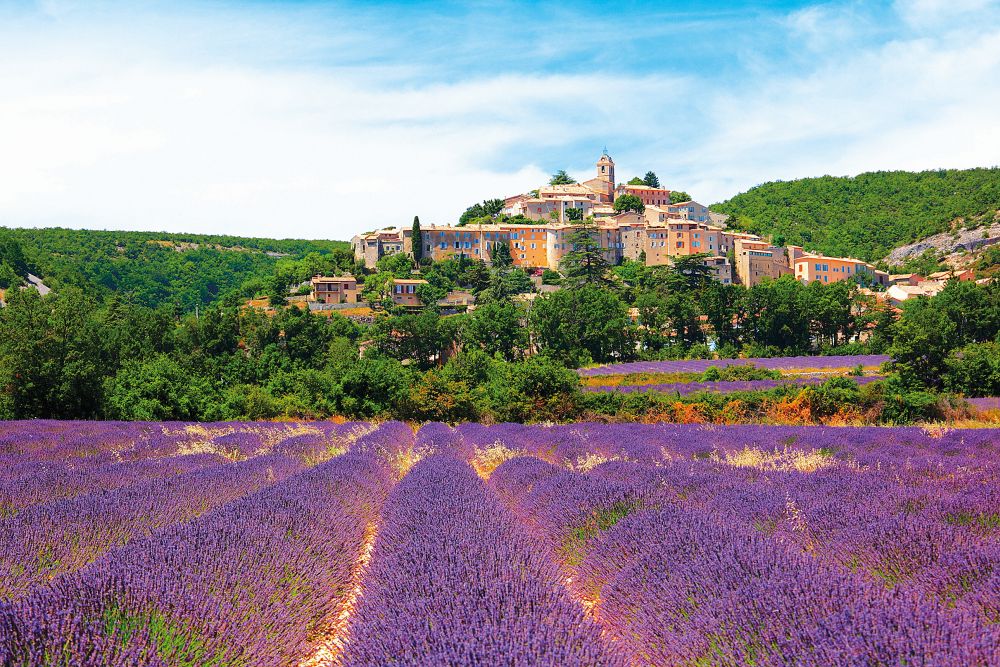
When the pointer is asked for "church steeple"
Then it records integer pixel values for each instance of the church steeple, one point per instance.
(606, 168)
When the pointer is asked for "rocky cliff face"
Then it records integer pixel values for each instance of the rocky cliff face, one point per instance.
(954, 246)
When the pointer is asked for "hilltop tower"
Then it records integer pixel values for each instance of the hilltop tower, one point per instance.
(605, 181)
(606, 169)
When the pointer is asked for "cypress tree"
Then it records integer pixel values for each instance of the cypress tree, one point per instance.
(417, 239)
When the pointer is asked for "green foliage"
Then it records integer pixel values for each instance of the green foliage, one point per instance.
(561, 178)
(651, 180)
(483, 212)
(635, 180)
(498, 329)
(924, 264)
(501, 255)
(739, 372)
(974, 370)
(585, 263)
(629, 203)
(157, 389)
(868, 215)
(574, 215)
(417, 240)
(423, 338)
(536, 389)
(922, 339)
(579, 326)
(373, 387)
(679, 196)
(550, 277)
(159, 269)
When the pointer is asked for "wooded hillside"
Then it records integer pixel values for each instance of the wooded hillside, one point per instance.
(153, 268)
(868, 215)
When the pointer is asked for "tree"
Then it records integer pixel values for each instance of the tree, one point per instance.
(536, 389)
(470, 214)
(584, 263)
(922, 340)
(501, 255)
(373, 388)
(574, 214)
(158, 389)
(561, 178)
(721, 305)
(422, 338)
(417, 240)
(498, 328)
(629, 203)
(493, 207)
(689, 272)
(651, 180)
(52, 354)
(635, 180)
(582, 325)
(974, 370)
(678, 196)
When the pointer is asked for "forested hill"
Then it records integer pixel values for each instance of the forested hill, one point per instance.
(158, 269)
(868, 215)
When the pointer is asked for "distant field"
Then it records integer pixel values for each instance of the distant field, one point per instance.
(722, 386)
(624, 544)
(773, 363)
(989, 403)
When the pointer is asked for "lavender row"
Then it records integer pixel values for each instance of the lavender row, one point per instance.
(723, 386)
(571, 444)
(677, 587)
(42, 482)
(772, 363)
(672, 599)
(50, 540)
(256, 582)
(564, 511)
(908, 528)
(453, 581)
(107, 442)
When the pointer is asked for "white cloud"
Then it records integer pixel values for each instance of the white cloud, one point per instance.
(135, 137)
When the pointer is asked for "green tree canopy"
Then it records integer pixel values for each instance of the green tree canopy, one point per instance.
(417, 240)
(651, 180)
(629, 203)
(678, 196)
(584, 263)
(578, 326)
(561, 178)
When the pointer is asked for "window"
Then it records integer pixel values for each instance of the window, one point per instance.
(532, 246)
(444, 246)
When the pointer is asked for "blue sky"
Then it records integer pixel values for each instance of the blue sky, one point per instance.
(315, 119)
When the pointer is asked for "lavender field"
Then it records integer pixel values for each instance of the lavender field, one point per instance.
(722, 386)
(586, 544)
(818, 363)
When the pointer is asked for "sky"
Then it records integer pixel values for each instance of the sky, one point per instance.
(322, 120)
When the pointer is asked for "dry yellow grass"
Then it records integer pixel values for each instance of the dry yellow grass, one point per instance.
(489, 459)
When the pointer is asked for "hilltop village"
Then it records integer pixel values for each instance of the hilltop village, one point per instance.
(639, 221)
(651, 228)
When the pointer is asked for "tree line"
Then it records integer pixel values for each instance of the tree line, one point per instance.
(85, 355)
